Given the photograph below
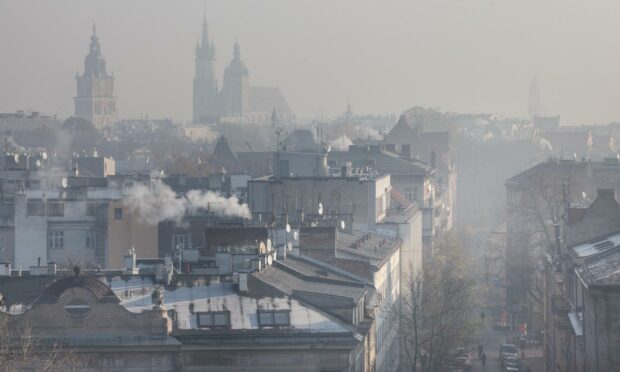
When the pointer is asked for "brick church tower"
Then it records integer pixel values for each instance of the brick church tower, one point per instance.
(95, 100)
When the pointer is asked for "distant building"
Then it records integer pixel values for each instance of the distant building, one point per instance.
(432, 148)
(237, 101)
(27, 121)
(95, 100)
(533, 107)
(546, 123)
(582, 286)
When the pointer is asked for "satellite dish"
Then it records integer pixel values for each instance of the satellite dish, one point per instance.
(38, 163)
(342, 225)
(583, 194)
(296, 235)
(269, 245)
(64, 182)
(288, 228)
(44, 155)
(289, 246)
(320, 208)
(269, 260)
(16, 158)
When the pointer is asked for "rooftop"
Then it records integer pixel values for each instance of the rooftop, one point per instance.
(215, 296)
(602, 269)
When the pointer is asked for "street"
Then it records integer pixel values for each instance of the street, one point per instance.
(485, 250)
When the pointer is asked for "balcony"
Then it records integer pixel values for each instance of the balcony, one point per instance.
(560, 305)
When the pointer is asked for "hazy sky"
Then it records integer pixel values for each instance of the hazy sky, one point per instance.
(385, 56)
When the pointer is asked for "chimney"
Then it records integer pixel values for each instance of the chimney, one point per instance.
(243, 282)
(346, 170)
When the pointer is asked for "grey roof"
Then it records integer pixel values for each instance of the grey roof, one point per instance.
(602, 269)
(370, 245)
(289, 281)
(381, 160)
(135, 295)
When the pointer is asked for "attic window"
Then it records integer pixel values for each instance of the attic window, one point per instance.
(214, 319)
(274, 318)
(77, 308)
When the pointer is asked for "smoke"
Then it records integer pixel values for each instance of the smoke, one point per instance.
(365, 132)
(160, 203)
(545, 144)
(341, 143)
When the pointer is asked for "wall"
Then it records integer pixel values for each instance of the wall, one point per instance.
(337, 195)
(129, 232)
(30, 236)
(387, 282)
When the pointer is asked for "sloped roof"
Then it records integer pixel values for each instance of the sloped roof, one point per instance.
(101, 291)
(600, 218)
(301, 140)
(135, 295)
(602, 269)
(224, 157)
(265, 99)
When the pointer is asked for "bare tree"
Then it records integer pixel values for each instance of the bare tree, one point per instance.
(21, 349)
(436, 311)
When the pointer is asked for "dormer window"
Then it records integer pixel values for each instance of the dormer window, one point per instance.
(274, 318)
(213, 319)
(77, 308)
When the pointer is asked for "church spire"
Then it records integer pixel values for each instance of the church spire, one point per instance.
(237, 55)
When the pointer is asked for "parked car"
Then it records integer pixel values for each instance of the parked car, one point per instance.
(508, 350)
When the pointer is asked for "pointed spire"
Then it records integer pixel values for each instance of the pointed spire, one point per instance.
(94, 30)
(237, 55)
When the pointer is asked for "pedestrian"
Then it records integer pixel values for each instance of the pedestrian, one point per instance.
(425, 361)
(484, 359)
(480, 350)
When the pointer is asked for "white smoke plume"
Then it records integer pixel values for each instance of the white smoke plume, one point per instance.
(160, 203)
(341, 143)
(365, 132)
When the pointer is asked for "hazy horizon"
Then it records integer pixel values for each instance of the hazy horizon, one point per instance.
(476, 56)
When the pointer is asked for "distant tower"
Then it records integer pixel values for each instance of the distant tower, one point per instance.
(349, 113)
(534, 99)
(235, 93)
(205, 83)
(95, 99)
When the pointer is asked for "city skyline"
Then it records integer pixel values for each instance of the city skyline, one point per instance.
(383, 59)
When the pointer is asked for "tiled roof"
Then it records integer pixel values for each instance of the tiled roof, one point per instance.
(101, 291)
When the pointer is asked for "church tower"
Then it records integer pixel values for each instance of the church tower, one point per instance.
(205, 84)
(534, 99)
(235, 95)
(95, 99)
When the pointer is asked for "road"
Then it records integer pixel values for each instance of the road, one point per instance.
(485, 250)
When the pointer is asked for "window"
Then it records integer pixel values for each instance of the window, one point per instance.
(409, 194)
(55, 209)
(56, 239)
(35, 208)
(214, 319)
(180, 241)
(91, 239)
(77, 308)
(91, 209)
(274, 318)
(118, 213)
